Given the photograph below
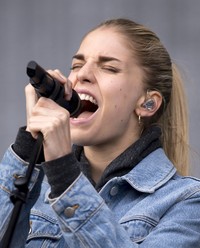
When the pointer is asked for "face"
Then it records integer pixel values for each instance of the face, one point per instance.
(108, 80)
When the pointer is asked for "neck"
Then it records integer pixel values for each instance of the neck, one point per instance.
(101, 156)
(99, 159)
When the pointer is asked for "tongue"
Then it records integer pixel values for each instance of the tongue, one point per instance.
(87, 109)
(85, 114)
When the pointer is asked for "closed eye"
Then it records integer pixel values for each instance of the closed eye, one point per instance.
(111, 69)
(76, 67)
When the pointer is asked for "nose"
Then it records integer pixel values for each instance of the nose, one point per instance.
(86, 74)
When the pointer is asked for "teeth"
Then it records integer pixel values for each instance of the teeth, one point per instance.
(87, 98)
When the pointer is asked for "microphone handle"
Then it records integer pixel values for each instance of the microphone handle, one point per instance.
(45, 85)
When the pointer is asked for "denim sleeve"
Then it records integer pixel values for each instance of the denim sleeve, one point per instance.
(85, 219)
(11, 167)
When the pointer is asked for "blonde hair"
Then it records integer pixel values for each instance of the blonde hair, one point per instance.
(162, 75)
(174, 123)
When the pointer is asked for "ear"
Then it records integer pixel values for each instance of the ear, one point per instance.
(148, 105)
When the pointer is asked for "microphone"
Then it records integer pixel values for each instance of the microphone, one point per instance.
(45, 85)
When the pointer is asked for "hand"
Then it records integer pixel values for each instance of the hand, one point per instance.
(47, 117)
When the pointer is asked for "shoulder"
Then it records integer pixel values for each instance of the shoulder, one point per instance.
(156, 172)
(187, 185)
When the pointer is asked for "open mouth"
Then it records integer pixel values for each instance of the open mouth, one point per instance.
(88, 104)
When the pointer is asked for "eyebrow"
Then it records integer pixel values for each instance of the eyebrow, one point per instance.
(102, 59)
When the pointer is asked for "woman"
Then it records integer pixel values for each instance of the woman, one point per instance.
(116, 187)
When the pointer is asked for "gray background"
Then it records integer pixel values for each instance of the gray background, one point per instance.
(49, 31)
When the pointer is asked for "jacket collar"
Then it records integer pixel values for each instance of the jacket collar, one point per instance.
(151, 173)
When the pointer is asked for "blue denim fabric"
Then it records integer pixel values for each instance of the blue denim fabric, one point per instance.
(150, 207)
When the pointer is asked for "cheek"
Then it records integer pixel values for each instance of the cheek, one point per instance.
(123, 100)
(121, 106)
(122, 96)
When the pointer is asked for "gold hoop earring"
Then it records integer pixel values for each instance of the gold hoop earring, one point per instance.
(139, 120)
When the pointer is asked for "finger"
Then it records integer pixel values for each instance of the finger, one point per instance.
(56, 134)
(44, 109)
(57, 74)
(68, 90)
(31, 99)
(47, 104)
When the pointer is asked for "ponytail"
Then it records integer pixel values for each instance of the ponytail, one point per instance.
(174, 123)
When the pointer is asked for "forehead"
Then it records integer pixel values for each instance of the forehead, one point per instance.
(106, 42)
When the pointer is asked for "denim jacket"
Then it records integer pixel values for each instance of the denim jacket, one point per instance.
(151, 206)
